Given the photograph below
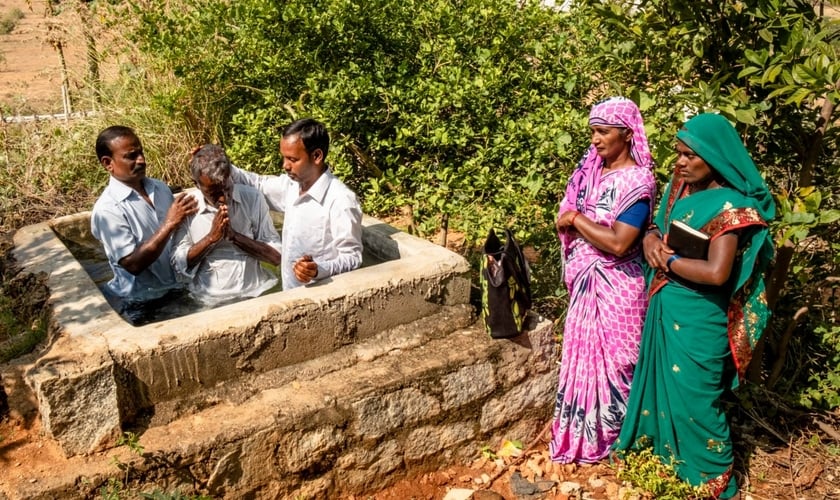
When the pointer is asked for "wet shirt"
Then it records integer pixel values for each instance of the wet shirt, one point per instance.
(227, 271)
(122, 220)
(325, 222)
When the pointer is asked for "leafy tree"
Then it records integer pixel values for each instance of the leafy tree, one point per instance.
(468, 114)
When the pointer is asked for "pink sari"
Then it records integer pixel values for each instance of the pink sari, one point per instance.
(607, 301)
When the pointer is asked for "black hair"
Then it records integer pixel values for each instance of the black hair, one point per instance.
(103, 141)
(312, 132)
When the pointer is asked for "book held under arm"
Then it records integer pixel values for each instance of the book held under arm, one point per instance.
(688, 242)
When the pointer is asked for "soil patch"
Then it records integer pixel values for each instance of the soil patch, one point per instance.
(31, 74)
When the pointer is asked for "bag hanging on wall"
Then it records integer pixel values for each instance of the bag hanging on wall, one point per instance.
(505, 286)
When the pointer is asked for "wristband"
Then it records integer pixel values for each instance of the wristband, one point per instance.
(670, 261)
(572, 222)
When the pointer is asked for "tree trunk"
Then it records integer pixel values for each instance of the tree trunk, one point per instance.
(776, 371)
(806, 175)
(56, 39)
(806, 178)
(4, 401)
(784, 256)
(92, 55)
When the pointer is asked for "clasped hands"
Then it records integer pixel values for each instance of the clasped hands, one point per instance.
(305, 268)
(656, 251)
(220, 228)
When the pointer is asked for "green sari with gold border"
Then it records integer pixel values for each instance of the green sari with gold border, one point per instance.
(697, 340)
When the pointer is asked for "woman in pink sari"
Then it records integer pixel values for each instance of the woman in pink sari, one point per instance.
(607, 206)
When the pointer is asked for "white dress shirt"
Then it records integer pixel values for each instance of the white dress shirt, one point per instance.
(226, 271)
(325, 222)
(122, 220)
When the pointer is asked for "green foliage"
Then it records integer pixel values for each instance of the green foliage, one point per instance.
(132, 441)
(467, 116)
(9, 19)
(801, 213)
(823, 389)
(113, 490)
(655, 479)
(488, 452)
(457, 111)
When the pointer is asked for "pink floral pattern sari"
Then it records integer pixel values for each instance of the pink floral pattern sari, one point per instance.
(607, 299)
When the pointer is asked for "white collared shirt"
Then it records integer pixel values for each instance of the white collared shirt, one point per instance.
(227, 271)
(325, 222)
(122, 220)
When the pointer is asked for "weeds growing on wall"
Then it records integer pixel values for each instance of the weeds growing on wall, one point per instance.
(19, 337)
(117, 488)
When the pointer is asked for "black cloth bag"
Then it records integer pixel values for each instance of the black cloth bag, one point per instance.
(505, 286)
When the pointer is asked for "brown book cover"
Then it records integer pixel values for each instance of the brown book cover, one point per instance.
(687, 241)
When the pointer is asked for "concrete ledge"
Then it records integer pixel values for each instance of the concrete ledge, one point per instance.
(130, 370)
(406, 403)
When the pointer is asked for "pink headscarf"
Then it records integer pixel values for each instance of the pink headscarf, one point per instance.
(622, 112)
(612, 112)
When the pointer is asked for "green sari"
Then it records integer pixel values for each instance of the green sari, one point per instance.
(698, 340)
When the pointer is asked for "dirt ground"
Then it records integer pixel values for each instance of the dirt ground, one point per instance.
(797, 456)
(30, 65)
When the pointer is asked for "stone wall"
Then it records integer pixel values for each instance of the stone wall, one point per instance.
(409, 403)
(317, 392)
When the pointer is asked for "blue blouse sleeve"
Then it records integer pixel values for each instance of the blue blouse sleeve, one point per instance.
(636, 215)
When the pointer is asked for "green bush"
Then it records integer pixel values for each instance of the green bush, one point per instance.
(823, 388)
(653, 479)
(466, 115)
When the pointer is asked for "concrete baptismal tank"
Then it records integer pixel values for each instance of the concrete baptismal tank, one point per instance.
(332, 389)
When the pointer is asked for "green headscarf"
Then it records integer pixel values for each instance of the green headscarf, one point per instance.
(715, 140)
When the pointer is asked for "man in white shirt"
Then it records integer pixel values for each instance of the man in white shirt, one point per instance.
(322, 224)
(134, 219)
(219, 249)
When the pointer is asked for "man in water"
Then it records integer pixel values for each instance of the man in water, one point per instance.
(322, 224)
(219, 249)
(134, 219)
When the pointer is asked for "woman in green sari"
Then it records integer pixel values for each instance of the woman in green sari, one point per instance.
(705, 314)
